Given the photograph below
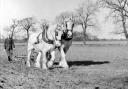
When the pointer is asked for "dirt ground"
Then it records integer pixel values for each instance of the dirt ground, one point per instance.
(91, 67)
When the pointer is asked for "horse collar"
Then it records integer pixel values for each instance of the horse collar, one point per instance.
(45, 38)
(64, 36)
(48, 40)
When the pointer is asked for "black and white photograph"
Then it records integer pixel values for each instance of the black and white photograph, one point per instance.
(63, 44)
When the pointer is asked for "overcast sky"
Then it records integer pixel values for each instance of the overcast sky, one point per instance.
(47, 9)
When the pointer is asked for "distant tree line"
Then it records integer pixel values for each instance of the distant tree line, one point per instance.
(78, 36)
(85, 16)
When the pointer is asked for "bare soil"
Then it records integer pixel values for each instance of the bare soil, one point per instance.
(91, 67)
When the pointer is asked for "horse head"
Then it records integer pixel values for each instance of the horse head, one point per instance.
(69, 25)
(58, 35)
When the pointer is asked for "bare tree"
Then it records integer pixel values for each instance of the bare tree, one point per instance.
(61, 18)
(12, 29)
(27, 24)
(119, 12)
(86, 16)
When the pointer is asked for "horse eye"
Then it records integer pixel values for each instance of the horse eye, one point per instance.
(66, 25)
(56, 33)
(72, 25)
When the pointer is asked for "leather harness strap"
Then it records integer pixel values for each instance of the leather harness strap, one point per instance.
(38, 39)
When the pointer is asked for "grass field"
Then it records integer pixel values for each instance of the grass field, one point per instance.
(101, 66)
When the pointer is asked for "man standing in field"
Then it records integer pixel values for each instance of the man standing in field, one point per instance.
(9, 45)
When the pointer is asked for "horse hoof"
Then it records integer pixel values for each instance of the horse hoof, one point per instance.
(64, 65)
(28, 64)
(50, 64)
(38, 66)
(44, 67)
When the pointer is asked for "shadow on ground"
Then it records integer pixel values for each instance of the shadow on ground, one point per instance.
(86, 63)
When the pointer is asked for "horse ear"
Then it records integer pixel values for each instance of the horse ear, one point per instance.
(47, 26)
(58, 25)
(73, 25)
(67, 19)
(64, 22)
(70, 18)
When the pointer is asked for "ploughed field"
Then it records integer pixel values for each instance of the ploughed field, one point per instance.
(91, 67)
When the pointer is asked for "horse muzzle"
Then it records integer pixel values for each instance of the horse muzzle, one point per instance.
(57, 43)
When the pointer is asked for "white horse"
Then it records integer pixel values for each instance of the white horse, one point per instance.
(43, 42)
(66, 41)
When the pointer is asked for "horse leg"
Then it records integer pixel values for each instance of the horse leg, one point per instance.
(28, 60)
(37, 64)
(63, 62)
(50, 63)
(44, 61)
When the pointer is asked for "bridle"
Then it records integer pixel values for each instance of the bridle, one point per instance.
(58, 28)
(66, 31)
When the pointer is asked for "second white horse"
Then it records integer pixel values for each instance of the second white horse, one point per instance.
(43, 42)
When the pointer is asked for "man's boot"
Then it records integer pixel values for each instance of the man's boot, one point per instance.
(9, 59)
